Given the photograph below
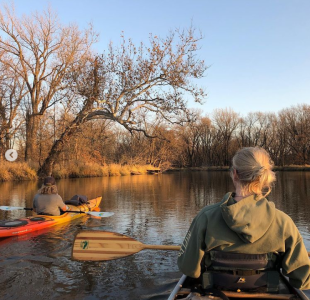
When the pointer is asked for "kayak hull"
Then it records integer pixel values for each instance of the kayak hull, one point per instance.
(186, 285)
(39, 222)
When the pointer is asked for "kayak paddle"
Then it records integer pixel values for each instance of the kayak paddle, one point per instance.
(104, 245)
(15, 208)
(98, 245)
(101, 214)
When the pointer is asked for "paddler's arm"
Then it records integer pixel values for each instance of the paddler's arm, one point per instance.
(193, 248)
(65, 208)
(295, 261)
(62, 206)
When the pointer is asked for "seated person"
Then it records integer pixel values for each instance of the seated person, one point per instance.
(47, 201)
(246, 222)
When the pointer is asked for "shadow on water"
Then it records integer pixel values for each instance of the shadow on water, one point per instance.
(152, 209)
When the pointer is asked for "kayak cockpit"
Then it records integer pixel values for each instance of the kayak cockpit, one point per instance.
(191, 289)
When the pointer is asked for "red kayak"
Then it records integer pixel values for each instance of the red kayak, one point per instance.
(30, 224)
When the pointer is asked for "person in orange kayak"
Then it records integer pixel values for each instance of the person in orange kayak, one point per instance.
(47, 201)
(245, 225)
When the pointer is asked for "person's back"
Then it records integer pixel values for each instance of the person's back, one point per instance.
(48, 204)
(246, 222)
(47, 201)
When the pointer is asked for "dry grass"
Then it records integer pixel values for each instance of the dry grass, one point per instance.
(74, 169)
(125, 170)
(77, 169)
(10, 171)
(141, 168)
(114, 170)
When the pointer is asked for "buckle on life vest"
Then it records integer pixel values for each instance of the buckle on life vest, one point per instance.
(241, 280)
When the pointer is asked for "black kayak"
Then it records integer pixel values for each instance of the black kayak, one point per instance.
(190, 289)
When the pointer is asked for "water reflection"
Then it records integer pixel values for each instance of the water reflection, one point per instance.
(154, 209)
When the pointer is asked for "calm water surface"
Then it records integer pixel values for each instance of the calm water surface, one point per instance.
(154, 209)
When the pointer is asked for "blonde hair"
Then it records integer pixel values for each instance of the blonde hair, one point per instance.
(48, 189)
(253, 166)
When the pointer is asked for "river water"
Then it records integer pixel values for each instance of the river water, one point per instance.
(153, 209)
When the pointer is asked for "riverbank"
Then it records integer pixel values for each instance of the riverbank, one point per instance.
(21, 171)
(226, 168)
(16, 171)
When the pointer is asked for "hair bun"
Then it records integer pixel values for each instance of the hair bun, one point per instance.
(254, 170)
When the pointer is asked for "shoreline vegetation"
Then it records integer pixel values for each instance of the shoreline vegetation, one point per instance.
(19, 171)
(90, 113)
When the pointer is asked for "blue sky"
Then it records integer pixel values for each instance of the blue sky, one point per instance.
(258, 50)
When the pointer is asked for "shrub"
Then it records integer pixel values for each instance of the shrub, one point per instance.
(16, 171)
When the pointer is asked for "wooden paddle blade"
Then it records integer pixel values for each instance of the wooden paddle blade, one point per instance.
(103, 245)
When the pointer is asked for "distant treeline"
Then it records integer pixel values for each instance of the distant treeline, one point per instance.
(207, 141)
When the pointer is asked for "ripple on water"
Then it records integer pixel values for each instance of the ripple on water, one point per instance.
(151, 209)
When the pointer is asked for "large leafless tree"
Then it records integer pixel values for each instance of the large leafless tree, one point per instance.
(126, 84)
(41, 51)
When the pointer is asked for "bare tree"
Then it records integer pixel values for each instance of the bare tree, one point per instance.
(41, 51)
(296, 122)
(226, 122)
(196, 141)
(129, 82)
(12, 91)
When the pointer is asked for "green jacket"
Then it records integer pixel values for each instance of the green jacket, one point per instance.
(252, 226)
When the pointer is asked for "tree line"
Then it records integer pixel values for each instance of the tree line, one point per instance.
(60, 101)
(212, 141)
(209, 140)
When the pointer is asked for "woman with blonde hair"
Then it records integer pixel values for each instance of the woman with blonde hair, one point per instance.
(245, 231)
(47, 201)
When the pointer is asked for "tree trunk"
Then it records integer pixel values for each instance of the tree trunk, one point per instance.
(5, 142)
(32, 126)
(2, 149)
(47, 167)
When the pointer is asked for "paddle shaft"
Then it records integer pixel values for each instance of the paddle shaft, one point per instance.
(168, 247)
(162, 247)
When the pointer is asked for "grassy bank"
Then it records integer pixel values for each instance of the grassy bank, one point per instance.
(226, 168)
(293, 168)
(21, 171)
(78, 169)
(16, 171)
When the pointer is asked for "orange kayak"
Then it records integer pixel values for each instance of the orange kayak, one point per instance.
(30, 224)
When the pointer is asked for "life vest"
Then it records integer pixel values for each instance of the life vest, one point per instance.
(238, 271)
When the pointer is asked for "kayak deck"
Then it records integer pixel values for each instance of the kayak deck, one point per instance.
(190, 289)
(38, 222)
